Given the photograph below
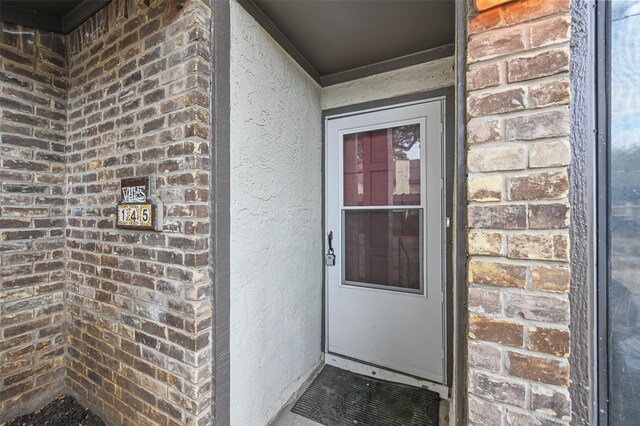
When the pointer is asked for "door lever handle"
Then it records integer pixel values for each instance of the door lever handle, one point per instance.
(330, 258)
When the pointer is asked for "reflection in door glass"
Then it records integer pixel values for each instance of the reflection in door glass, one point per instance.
(624, 225)
(382, 247)
(382, 167)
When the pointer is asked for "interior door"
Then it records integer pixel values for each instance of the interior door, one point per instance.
(385, 199)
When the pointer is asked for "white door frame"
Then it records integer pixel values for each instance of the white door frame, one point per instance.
(361, 367)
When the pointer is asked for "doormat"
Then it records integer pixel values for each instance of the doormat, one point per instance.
(338, 397)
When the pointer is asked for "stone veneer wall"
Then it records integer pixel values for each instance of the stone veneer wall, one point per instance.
(518, 213)
(138, 303)
(33, 93)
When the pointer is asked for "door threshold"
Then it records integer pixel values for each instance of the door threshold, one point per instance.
(381, 373)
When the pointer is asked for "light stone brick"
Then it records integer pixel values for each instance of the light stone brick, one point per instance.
(499, 158)
(537, 308)
(539, 186)
(481, 355)
(539, 369)
(507, 217)
(540, 65)
(549, 154)
(497, 274)
(550, 278)
(496, 331)
(550, 340)
(551, 402)
(498, 388)
(483, 77)
(549, 216)
(537, 125)
(483, 412)
(485, 243)
(484, 301)
(494, 43)
(496, 102)
(549, 93)
(485, 188)
(538, 247)
(550, 31)
(483, 131)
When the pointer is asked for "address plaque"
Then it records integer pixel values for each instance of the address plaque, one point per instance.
(138, 208)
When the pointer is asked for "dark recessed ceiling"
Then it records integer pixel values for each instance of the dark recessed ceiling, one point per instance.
(53, 15)
(329, 38)
(335, 36)
(55, 8)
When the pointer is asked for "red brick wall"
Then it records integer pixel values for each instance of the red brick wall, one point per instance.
(33, 91)
(518, 153)
(138, 302)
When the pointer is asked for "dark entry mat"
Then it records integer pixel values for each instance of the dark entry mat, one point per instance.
(338, 397)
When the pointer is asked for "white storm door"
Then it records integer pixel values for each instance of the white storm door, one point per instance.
(385, 198)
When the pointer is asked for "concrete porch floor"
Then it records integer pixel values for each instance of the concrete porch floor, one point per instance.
(287, 418)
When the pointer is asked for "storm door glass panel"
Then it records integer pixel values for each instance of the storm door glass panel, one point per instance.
(624, 217)
(382, 167)
(382, 212)
(383, 248)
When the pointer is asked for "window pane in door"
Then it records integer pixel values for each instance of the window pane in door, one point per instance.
(624, 217)
(382, 248)
(382, 167)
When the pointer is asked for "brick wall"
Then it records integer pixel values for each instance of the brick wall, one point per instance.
(125, 94)
(518, 213)
(139, 311)
(33, 91)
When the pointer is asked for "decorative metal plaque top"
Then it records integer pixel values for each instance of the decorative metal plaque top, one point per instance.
(135, 190)
(134, 194)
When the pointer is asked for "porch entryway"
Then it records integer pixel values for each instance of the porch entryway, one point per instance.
(376, 128)
(216, 316)
(385, 289)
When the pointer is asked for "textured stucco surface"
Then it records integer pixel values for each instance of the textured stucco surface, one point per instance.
(582, 226)
(276, 214)
(405, 81)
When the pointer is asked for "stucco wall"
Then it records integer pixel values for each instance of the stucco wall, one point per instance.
(276, 213)
(405, 81)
